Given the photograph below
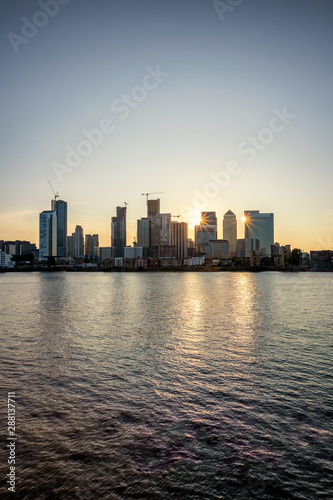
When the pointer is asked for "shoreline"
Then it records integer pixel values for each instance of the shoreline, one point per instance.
(166, 269)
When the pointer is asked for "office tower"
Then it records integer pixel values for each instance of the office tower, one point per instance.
(60, 207)
(230, 231)
(47, 234)
(143, 232)
(113, 231)
(179, 239)
(219, 249)
(91, 245)
(78, 242)
(118, 231)
(153, 207)
(70, 246)
(205, 232)
(208, 219)
(261, 227)
(246, 247)
(162, 228)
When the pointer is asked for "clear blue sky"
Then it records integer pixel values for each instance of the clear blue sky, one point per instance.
(227, 80)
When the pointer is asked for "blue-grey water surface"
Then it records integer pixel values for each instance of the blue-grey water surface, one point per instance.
(169, 385)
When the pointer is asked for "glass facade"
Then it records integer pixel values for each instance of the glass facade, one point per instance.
(118, 231)
(60, 207)
(230, 231)
(143, 232)
(261, 227)
(47, 234)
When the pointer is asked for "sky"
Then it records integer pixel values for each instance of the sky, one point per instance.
(217, 104)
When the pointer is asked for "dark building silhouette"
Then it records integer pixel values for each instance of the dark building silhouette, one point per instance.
(60, 208)
(118, 231)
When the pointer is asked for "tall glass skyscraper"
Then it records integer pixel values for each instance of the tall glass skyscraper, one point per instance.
(47, 234)
(118, 231)
(143, 232)
(260, 227)
(91, 245)
(60, 207)
(153, 208)
(230, 231)
(206, 232)
(208, 219)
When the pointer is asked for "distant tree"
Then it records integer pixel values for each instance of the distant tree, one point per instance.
(295, 257)
(267, 261)
(23, 258)
(237, 261)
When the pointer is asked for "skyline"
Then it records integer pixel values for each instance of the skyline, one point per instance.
(232, 112)
(196, 221)
(246, 221)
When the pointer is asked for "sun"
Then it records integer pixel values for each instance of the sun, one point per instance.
(243, 219)
(194, 219)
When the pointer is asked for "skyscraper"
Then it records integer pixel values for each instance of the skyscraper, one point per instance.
(47, 234)
(179, 238)
(143, 232)
(261, 227)
(91, 243)
(118, 231)
(205, 232)
(230, 231)
(78, 242)
(246, 247)
(60, 207)
(70, 245)
(208, 219)
(153, 208)
(162, 228)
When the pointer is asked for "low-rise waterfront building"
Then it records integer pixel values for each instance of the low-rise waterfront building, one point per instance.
(6, 260)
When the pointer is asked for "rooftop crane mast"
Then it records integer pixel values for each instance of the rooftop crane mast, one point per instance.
(147, 194)
(56, 195)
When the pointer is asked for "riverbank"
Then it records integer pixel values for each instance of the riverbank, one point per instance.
(187, 269)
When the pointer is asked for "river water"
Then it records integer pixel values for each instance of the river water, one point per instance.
(169, 385)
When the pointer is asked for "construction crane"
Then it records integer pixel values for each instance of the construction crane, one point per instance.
(56, 195)
(164, 233)
(147, 194)
(125, 204)
(134, 244)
